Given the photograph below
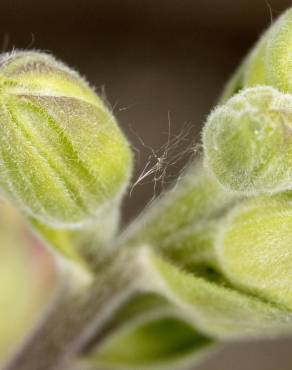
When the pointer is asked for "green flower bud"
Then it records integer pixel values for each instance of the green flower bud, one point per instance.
(63, 157)
(279, 54)
(254, 248)
(269, 62)
(248, 142)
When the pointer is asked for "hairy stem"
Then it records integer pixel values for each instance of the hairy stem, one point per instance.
(190, 209)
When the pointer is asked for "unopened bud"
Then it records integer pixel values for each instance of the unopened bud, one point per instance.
(248, 144)
(62, 156)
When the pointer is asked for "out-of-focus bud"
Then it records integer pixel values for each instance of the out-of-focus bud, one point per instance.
(26, 280)
(248, 144)
(269, 62)
(63, 158)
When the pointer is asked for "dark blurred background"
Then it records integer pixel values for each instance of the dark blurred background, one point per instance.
(161, 65)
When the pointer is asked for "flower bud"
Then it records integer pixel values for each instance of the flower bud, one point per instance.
(63, 157)
(254, 248)
(278, 54)
(269, 62)
(248, 142)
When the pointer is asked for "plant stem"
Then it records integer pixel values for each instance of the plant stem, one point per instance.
(195, 202)
(75, 317)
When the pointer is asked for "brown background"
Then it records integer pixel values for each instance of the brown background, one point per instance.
(159, 61)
